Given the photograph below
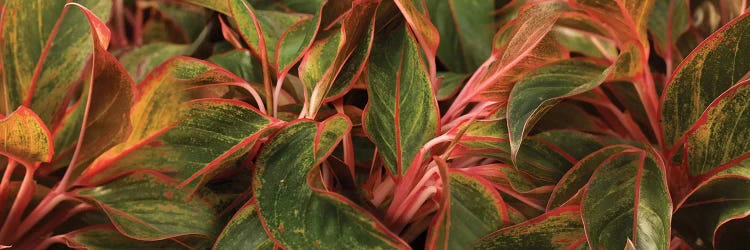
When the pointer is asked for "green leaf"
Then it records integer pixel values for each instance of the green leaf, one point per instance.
(217, 5)
(25, 138)
(475, 209)
(108, 238)
(713, 203)
(450, 84)
(418, 19)
(175, 130)
(333, 63)
(401, 114)
(544, 87)
(244, 231)
(241, 63)
(627, 19)
(44, 52)
(301, 216)
(580, 174)
(150, 206)
(712, 68)
(627, 198)
(668, 21)
(723, 123)
(466, 30)
(140, 61)
(557, 229)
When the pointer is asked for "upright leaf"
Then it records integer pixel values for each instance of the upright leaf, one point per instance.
(44, 52)
(466, 29)
(717, 64)
(297, 214)
(543, 88)
(667, 22)
(474, 209)
(25, 138)
(401, 114)
(627, 199)
(418, 19)
(150, 206)
(557, 229)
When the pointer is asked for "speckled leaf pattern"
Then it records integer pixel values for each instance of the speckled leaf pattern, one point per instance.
(628, 19)
(723, 123)
(475, 209)
(300, 216)
(31, 74)
(179, 125)
(418, 19)
(25, 138)
(541, 89)
(627, 198)
(244, 231)
(718, 63)
(108, 238)
(557, 229)
(721, 198)
(150, 206)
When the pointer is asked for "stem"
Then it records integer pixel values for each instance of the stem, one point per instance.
(138, 24)
(277, 93)
(57, 239)
(45, 206)
(55, 221)
(19, 205)
(5, 185)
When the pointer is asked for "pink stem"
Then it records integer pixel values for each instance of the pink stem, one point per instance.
(5, 185)
(45, 206)
(19, 205)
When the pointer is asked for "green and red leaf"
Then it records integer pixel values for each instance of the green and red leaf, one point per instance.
(557, 229)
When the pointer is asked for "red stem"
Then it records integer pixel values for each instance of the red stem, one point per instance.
(56, 220)
(5, 185)
(45, 206)
(19, 205)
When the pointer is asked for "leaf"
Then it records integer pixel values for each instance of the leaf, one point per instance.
(627, 18)
(544, 87)
(299, 215)
(176, 131)
(217, 5)
(723, 123)
(475, 209)
(712, 68)
(579, 175)
(450, 84)
(713, 203)
(557, 229)
(401, 114)
(244, 231)
(667, 22)
(140, 61)
(627, 198)
(44, 52)
(150, 206)
(465, 30)
(242, 64)
(25, 138)
(108, 238)
(418, 19)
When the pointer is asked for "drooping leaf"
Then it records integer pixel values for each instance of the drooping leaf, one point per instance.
(557, 229)
(176, 131)
(465, 29)
(723, 123)
(475, 209)
(25, 138)
(297, 214)
(44, 52)
(151, 206)
(108, 238)
(712, 68)
(401, 114)
(713, 203)
(543, 88)
(580, 174)
(627, 199)
(244, 231)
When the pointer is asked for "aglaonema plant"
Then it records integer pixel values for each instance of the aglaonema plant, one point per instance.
(374, 124)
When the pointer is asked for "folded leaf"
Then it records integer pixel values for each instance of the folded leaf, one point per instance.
(25, 138)
(717, 64)
(401, 114)
(627, 199)
(298, 215)
(151, 206)
(557, 229)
